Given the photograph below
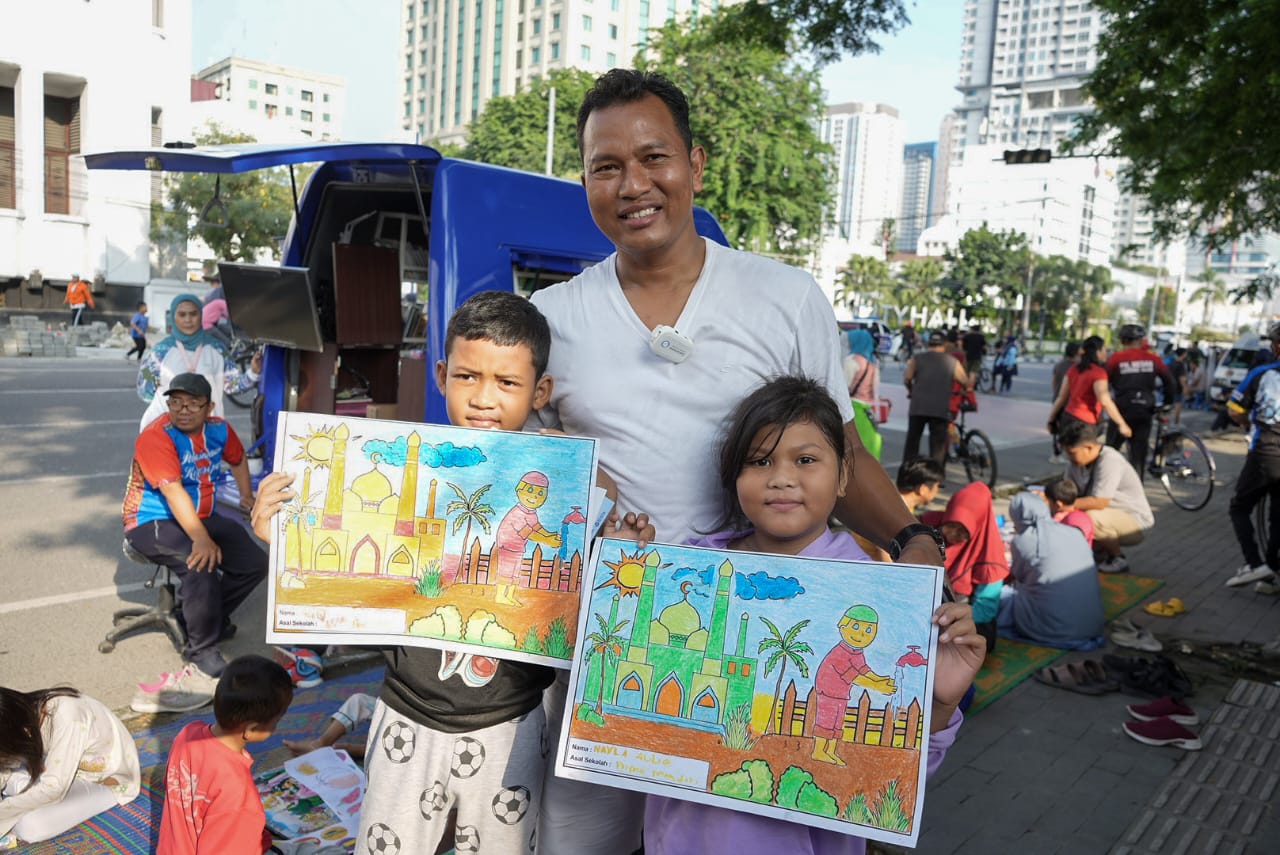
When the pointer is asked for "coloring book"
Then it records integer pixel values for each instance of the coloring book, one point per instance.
(469, 541)
(797, 688)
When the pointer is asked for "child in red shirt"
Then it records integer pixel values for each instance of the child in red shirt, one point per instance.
(211, 803)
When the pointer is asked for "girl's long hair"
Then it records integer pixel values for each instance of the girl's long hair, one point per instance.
(1089, 350)
(20, 742)
(780, 402)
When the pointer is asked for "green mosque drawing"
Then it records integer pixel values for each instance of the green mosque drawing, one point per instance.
(671, 665)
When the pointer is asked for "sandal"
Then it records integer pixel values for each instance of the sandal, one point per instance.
(1076, 677)
(1170, 608)
(1126, 633)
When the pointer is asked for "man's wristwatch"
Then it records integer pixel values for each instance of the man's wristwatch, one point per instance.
(899, 541)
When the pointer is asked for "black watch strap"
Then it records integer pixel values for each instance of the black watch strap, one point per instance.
(915, 530)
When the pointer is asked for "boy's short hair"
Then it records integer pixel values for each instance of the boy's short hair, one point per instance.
(252, 690)
(142, 304)
(503, 318)
(919, 472)
(1072, 348)
(1076, 434)
(1062, 490)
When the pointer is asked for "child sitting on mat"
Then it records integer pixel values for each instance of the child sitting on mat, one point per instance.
(64, 758)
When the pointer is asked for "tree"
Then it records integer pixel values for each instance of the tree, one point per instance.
(469, 509)
(828, 27)
(1213, 291)
(258, 206)
(863, 278)
(1166, 305)
(785, 649)
(756, 110)
(512, 129)
(888, 235)
(982, 261)
(1177, 93)
(918, 285)
(605, 643)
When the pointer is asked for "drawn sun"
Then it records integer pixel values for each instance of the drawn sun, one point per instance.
(316, 447)
(628, 573)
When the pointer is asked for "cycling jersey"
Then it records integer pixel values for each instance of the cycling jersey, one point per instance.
(1259, 395)
(1133, 375)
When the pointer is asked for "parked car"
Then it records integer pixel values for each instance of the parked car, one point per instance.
(376, 226)
(1233, 366)
(878, 328)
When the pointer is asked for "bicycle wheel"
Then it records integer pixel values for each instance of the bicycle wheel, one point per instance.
(979, 457)
(1188, 470)
(245, 397)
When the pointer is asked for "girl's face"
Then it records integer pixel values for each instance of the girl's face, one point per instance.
(954, 533)
(186, 317)
(789, 489)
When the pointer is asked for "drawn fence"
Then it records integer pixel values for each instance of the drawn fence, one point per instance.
(863, 725)
(553, 574)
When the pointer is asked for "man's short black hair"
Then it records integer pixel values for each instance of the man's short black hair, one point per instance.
(141, 303)
(1076, 434)
(1072, 348)
(505, 319)
(252, 690)
(918, 472)
(626, 86)
(1062, 490)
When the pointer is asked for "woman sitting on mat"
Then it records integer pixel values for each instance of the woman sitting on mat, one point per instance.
(64, 758)
(1055, 600)
(976, 564)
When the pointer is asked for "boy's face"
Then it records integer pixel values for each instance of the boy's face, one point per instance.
(143, 308)
(531, 495)
(491, 386)
(929, 492)
(262, 731)
(858, 633)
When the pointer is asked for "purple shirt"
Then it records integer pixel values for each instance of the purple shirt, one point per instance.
(674, 827)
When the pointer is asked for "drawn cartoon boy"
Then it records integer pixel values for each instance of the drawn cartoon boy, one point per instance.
(842, 667)
(517, 528)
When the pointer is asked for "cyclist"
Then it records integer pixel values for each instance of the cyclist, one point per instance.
(1257, 400)
(1133, 372)
(928, 378)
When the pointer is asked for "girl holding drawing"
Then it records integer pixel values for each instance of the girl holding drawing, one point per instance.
(783, 464)
(64, 758)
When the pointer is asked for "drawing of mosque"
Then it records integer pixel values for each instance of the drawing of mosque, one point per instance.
(675, 667)
(368, 529)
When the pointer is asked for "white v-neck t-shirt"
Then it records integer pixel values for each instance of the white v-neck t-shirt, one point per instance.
(659, 423)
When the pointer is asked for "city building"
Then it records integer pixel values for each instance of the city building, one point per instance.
(867, 139)
(919, 171)
(459, 55)
(60, 99)
(271, 103)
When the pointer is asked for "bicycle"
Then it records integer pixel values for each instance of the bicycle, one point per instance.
(241, 350)
(973, 448)
(1183, 464)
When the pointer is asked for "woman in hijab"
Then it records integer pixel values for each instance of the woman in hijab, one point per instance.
(189, 348)
(1056, 600)
(976, 564)
(862, 378)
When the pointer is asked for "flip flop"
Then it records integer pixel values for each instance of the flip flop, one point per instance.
(1170, 608)
(1074, 678)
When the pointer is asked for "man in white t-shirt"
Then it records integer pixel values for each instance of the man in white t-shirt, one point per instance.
(742, 319)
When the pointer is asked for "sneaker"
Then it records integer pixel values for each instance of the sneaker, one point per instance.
(1126, 633)
(1163, 731)
(303, 664)
(1056, 458)
(1267, 586)
(1165, 707)
(189, 690)
(1247, 574)
(1114, 564)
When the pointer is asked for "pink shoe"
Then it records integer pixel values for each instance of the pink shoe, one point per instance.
(1166, 707)
(152, 688)
(1163, 731)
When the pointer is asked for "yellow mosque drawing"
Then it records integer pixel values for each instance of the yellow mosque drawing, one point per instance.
(367, 529)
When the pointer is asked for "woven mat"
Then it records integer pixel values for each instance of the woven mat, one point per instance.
(1014, 661)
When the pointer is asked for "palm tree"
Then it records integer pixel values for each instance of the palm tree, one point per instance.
(864, 277)
(917, 285)
(606, 642)
(469, 509)
(1213, 291)
(785, 649)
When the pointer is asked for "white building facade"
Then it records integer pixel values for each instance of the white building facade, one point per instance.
(272, 103)
(460, 53)
(58, 101)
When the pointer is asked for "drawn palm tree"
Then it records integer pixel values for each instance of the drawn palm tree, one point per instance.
(469, 509)
(605, 642)
(786, 648)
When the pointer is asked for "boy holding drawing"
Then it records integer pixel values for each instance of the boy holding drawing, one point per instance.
(446, 736)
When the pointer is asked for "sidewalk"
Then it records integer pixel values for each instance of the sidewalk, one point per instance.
(1044, 770)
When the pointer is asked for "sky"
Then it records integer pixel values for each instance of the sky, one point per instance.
(915, 72)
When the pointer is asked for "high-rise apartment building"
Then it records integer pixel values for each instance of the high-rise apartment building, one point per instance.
(460, 53)
(919, 171)
(273, 103)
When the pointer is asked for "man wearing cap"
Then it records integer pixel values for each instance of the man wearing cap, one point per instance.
(518, 527)
(928, 378)
(1257, 400)
(169, 518)
(78, 294)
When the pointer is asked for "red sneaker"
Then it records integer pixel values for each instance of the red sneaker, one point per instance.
(1163, 731)
(1166, 707)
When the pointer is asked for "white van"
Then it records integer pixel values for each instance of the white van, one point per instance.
(1235, 364)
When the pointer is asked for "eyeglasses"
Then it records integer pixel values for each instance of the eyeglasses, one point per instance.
(190, 405)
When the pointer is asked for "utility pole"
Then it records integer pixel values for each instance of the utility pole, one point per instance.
(551, 130)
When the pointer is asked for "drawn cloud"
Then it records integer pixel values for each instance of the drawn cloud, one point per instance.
(756, 586)
(446, 455)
